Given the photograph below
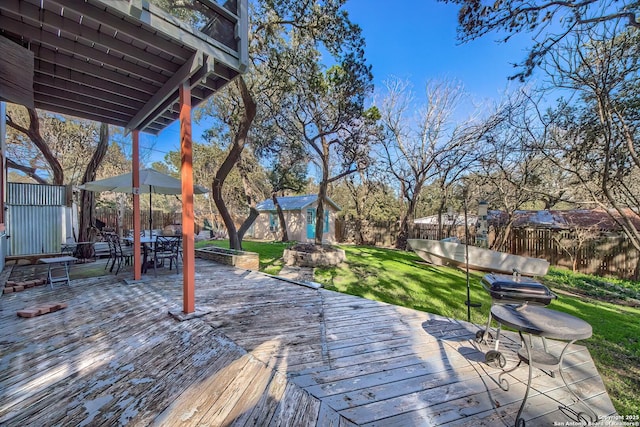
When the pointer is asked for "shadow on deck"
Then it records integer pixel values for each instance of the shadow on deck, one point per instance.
(267, 352)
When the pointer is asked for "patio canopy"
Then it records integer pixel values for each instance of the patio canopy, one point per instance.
(122, 61)
(151, 181)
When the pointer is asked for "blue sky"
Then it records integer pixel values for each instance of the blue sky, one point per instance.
(415, 40)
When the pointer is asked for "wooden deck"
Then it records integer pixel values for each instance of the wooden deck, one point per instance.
(268, 352)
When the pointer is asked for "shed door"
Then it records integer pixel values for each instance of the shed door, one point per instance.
(326, 221)
(311, 223)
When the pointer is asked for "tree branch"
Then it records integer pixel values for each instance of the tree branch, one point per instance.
(33, 132)
(31, 172)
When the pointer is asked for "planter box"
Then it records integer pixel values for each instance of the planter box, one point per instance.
(239, 259)
(313, 259)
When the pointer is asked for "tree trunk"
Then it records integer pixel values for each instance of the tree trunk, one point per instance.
(359, 232)
(501, 239)
(87, 220)
(253, 214)
(281, 220)
(251, 201)
(405, 219)
(230, 161)
(441, 209)
(440, 229)
(403, 233)
(322, 194)
(234, 243)
(33, 132)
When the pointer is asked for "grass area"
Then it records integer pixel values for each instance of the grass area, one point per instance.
(401, 278)
(614, 317)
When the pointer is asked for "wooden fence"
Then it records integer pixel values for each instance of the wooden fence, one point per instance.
(384, 233)
(160, 219)
(600, 255)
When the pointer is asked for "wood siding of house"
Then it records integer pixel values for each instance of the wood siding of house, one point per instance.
(296, 226)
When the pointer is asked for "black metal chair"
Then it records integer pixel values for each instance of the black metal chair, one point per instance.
(112, 252)
(118, 254)
(167, 247)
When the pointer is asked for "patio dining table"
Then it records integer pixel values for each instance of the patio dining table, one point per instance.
(146, 243)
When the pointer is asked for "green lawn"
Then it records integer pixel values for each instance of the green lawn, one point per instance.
(401, 278)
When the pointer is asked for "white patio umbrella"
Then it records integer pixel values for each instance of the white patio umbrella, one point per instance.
(151, 181)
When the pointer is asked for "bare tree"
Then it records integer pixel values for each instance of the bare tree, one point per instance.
(510, 170)
(597, 136)
(414, 145)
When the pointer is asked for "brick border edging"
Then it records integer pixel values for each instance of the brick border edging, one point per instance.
(11, 286)
(41, 309)
(4, 275)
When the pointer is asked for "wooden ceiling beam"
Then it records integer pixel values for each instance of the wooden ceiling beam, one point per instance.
(85, 99)
(124, 58)
(151, 109)
(79, 113)
(76, 90)
(50, 69)
(82, 50)
(84, 108)
(92, 69)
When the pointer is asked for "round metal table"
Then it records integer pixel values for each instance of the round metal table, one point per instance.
(546, 323)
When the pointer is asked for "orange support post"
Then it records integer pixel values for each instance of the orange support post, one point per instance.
(3, 162)
(186, 174)
(135, 178)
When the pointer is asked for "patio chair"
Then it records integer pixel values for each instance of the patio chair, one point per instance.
(167, 247)
(118, 254)
(112, 252)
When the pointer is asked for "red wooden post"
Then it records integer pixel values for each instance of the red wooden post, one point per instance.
(3, 162)
(135, 178)
(186, 174)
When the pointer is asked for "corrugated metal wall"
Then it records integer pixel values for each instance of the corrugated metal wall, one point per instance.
(34, 218)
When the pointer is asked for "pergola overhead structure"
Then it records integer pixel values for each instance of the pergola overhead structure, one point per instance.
(127, 63)
(122, 62)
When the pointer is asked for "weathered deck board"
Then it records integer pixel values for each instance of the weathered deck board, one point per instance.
(267, 353)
